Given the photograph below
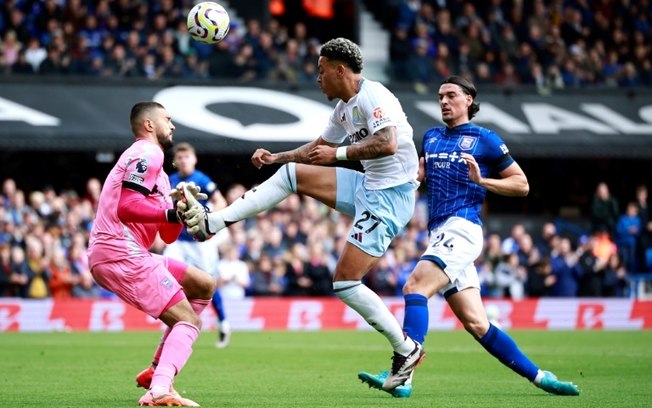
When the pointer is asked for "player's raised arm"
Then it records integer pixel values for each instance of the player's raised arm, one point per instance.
(301, 154)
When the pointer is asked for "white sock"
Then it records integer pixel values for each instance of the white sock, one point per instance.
(369, 305)
(225, 326)
(539, 377)
(263, 197)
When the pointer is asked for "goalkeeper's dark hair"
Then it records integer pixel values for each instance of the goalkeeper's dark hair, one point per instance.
(139, 110)
(342, 49)
(468, 88)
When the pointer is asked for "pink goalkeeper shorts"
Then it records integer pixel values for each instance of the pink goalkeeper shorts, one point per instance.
(150, 284)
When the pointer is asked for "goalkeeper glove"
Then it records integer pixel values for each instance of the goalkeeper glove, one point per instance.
(195, 215)
(177, 193)
(176, 215)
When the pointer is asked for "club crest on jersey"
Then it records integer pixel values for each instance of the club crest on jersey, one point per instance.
(356, 115)
(166, 283)
(141, 166)
(467, 142)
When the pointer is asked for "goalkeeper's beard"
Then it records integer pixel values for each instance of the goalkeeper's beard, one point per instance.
(165, 141)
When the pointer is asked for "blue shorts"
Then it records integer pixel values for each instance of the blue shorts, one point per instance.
(378, 215)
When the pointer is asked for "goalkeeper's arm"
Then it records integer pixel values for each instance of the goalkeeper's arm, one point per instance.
(132, 208)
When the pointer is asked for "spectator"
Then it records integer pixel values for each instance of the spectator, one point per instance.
(62, 280)
(296, 281)
(9, 51)
(22, 66)
(628, 229)
(510, 277)
(37, 262)
(592, 269)
(14, 272)
(540, 279)
(381, 279)
(604, 210)
(399, 53)
(233, 277)
(119, 64)
(510, 244)
(493, 251)
(644, 238)
(420, 64)
(565, 270)
(55, 63)
(267, 279)
(548, 234)
(317, 272)
(85, 286)
(615, 283)
(35, 54)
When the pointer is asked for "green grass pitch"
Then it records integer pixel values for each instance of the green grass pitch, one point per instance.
(319, 369)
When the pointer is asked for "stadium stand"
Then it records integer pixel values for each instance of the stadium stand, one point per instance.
(292, 249)
(544, 43)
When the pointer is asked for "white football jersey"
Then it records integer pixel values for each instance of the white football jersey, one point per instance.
(373, 108)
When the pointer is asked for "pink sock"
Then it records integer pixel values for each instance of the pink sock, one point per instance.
(159, 349)
(198, 305)
(176, 351)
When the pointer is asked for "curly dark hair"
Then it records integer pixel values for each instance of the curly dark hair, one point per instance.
(468, 88)
(343, 50)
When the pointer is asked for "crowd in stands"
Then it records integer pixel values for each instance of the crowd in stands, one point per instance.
(145, 39)
(291, 250)
(548, 43)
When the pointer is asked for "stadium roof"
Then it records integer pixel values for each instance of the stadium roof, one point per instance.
(236, 119)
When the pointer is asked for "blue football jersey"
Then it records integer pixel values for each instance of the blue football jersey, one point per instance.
(450, 191)
(207, 185)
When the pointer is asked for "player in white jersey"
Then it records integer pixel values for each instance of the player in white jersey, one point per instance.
(381, 199)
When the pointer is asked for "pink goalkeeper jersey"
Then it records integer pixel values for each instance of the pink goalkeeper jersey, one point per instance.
(140, 168)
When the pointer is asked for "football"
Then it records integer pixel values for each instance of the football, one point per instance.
(208, 22)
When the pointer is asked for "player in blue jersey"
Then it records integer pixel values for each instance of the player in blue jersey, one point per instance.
(381, 200)
(203, 255)
(457, 163)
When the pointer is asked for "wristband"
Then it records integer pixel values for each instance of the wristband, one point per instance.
(172, 217)
(340, 153)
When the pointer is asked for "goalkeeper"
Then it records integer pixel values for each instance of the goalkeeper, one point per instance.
(134, 206)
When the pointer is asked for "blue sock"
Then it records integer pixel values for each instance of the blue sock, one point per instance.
(501, 346)
(216, 301)
(415, 322)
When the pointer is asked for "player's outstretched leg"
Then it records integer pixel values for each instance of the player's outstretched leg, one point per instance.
(501, 346)
(377, 381)
(263, 197)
